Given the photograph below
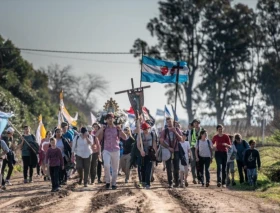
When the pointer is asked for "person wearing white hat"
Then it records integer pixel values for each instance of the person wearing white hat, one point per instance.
(9, 140)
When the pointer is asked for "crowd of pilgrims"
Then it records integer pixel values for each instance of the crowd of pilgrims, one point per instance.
(114, 149)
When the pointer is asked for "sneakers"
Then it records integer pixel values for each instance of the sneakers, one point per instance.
(194, 182)
(170, 186)
(114, 187)
(207, 184)
(107, 186)
(30, 180)
(186, 184)
(8, 183)
(219, 184)
(139, 186)
(25, 181)
(148, 187)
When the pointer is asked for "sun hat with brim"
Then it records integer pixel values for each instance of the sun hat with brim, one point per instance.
(10, 130)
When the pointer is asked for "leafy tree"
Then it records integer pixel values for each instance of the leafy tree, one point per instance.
(177, 31)
(226, 49)
(268, 17)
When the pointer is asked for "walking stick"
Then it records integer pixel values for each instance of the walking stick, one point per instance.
(22, 137)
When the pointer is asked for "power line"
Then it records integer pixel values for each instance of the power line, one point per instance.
(81, 59)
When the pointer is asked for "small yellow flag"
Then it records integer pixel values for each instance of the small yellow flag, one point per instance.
(61, 95)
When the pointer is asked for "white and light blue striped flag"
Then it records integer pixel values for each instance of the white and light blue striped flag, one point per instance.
(4, 120)
(154, 70)
(160, 112)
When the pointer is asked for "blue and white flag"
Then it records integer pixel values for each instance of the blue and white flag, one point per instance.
(4, 120)
(154, 70)
(175, 114)
(160, 112)
(166, 115)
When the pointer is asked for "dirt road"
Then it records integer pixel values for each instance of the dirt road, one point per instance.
(36, 197)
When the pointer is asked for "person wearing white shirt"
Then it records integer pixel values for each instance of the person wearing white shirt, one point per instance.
(82, 149)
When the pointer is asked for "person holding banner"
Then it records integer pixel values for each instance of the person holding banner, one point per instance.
(170, 138)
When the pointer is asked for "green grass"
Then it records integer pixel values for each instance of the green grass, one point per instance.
(266, 188)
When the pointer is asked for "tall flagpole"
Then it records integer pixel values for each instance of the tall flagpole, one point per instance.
(177, 86)
(141, 65)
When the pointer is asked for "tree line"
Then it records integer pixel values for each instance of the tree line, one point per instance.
(29, 92)
(233, 54)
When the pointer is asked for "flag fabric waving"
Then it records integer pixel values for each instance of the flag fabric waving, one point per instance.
(154, 70)
(41, 131)
(4, 120)
(160, 112)
(166, 114)
(64, 114)
(174, 113)
(93, 118)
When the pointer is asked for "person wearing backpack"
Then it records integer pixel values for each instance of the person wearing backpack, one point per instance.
(204, 155)
(146, 161)
(194, 132)
(29, 152)
(220, 142)
(241, 147)
(9, 139)
(110, 136)
(170, 138)
(4, 149)
(82, 149)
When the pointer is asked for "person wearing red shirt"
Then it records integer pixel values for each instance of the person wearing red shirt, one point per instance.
(221, 142)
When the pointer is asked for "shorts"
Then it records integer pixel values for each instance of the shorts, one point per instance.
(230, 167)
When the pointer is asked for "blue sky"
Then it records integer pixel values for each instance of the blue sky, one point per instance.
(87, 25)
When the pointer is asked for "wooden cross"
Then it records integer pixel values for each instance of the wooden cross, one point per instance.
(133, 89)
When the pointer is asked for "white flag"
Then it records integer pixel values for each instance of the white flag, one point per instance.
(93, 118)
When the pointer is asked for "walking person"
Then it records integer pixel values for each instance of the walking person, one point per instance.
(125, 159)
(241, 146)
(95, 157)
(10, 142)
(185, 153)
(193, 134)
(231, 155)
(4, 149)
(145, 161)
(252, 162)
(55, 162)
(204, 156)
(170, 138)
(96, 127)
(45, 145)
(63, 144)
(29, 157)
(221, 142)
(110, 136)
(82, 150)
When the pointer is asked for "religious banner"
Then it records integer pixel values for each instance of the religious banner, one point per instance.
(136, 99)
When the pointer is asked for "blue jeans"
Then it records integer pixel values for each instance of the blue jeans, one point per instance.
(54, 172)
(252, 176)
(145, 169)
(221, 161)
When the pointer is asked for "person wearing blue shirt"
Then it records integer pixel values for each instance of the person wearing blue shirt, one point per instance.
(66, 132)
(241, 147)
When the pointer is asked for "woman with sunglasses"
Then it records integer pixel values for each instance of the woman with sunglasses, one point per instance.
(125, 159)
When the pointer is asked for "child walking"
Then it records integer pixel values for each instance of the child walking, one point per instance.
(55, 160)
(231, 155)
(251, 159)
(184, 153)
